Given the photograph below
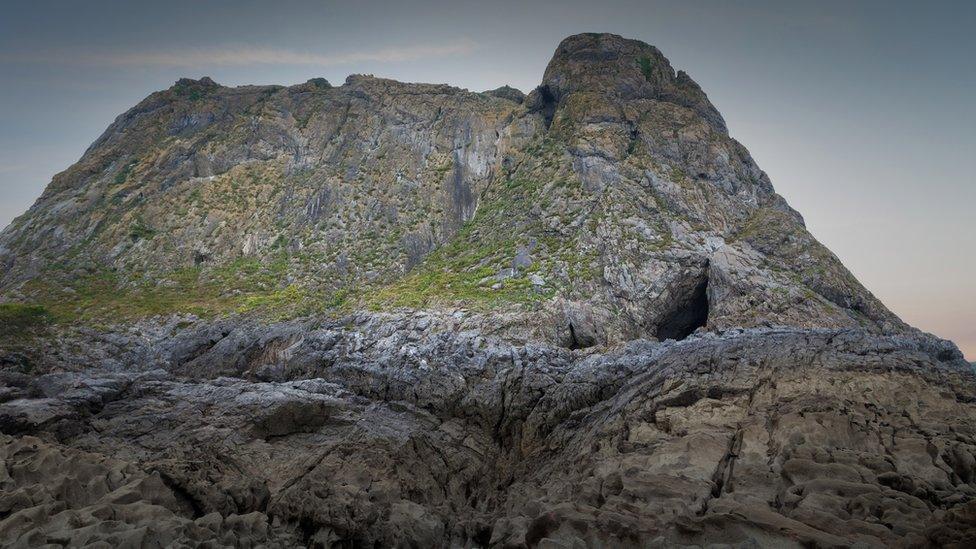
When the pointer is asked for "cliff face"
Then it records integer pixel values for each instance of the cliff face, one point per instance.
(611, 199)
(386, 314)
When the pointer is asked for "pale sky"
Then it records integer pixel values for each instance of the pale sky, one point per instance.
(862, 113)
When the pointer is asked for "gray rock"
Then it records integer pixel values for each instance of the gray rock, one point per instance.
(454, 438)
(522, 260)
(507, 92)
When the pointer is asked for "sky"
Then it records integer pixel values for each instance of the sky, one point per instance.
(862, 113)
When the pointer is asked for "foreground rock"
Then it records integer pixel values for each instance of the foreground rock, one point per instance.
(778, 437)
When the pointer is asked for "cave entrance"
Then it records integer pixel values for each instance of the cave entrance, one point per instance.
(579, 341)
(689, 313)
(548, 106)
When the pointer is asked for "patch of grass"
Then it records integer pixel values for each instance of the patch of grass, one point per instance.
(141, 231)
(123, 174)
(248, 285)
(245, 285)
(454, 273)
(463, 271)
(289, 302)
(679, 176)
(20, 319)
(102, 296)
(194, 196)
(439, 285)
(765, 224)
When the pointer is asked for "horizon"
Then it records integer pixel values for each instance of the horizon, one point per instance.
(874, 174)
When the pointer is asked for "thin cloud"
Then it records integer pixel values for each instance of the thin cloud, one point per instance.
(226, 56)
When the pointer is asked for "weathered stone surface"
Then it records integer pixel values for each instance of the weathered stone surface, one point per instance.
(408, 315)
(381, 434)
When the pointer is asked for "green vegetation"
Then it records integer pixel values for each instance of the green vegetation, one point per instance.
(190, 91)
(765, 224)
(19, 319)
(102, 296)
(461, 272)
(123, 174)
(290, 302)
(646, 68)
(632, 146)
(679, 176)
(141, 231)
(528, 210)
(243, 285)
(465, 271)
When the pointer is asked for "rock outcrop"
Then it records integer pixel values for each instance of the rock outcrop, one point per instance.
(385, 432)
(408, 315)
(600, 207)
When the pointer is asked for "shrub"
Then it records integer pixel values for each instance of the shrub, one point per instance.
(141, 231)
(123, 174)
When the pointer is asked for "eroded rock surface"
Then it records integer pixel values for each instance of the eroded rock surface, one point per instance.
(363, 435)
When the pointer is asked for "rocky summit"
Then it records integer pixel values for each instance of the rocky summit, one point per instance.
(407, 315)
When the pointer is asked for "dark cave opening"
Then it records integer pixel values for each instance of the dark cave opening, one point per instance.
(689, 314)
(579, 341)
(548, 106)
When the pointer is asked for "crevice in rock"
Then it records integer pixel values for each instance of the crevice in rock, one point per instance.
(193, 506)
(722, 477)
(307, 529)
(540, 527)
(573, 342)
(482, 536)
(689, 313)
(634, 139)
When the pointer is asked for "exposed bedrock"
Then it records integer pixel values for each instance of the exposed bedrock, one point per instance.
(379, 434)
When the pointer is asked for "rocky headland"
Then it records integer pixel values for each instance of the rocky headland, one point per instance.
(408, 315)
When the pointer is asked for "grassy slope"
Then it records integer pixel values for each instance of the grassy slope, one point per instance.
(462, 272)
